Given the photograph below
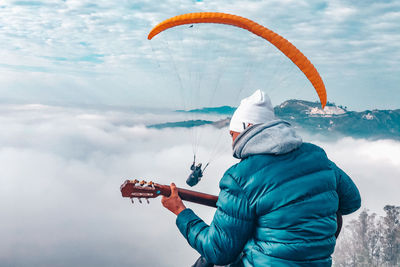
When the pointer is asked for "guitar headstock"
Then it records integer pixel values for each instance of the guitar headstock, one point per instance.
(140, 189)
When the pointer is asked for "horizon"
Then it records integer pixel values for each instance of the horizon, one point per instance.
(102, 106)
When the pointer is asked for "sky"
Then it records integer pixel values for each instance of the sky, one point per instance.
(81, 52)
(79, 81)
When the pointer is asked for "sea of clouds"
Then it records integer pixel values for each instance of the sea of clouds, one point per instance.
(61, 169)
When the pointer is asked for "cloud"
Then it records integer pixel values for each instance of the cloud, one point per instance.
(101, 47)
(373, 165)
(62, 167)
(60, 176)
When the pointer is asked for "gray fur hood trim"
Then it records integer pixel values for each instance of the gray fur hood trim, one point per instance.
(275, 137)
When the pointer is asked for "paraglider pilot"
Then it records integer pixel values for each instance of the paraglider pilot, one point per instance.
(196, 174)
(278, 206)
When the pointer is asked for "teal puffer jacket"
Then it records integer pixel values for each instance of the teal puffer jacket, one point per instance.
(275, 209)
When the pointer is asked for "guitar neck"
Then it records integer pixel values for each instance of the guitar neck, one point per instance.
(192, 196)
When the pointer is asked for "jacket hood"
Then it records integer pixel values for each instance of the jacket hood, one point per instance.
(275, 137)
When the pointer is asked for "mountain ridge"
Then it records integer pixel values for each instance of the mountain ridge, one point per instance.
(333, 120)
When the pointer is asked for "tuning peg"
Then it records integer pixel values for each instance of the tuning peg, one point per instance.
(148, 202)
(135, 181)
(150, 184)
(142, 182)
(140, 200)
(132, 200)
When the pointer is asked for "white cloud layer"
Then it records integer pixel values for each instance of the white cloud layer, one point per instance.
(62, 167)
(373, 165)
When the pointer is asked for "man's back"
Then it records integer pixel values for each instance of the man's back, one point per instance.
(294, 200)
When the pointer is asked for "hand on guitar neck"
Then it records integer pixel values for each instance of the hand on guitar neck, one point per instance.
(135, 189)
(173, 203)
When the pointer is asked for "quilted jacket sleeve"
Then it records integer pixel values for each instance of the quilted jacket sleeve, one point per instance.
(349, 196)
(223, 240)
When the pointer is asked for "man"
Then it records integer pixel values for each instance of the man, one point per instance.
(278, 205)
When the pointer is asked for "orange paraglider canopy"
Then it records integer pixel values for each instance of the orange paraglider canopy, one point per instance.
(278, 41)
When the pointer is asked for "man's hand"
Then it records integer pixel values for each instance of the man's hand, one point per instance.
(173, 202)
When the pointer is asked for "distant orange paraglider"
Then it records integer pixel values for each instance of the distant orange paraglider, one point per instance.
(278, 41)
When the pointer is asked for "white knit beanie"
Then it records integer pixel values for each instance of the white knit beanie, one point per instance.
(254, 109)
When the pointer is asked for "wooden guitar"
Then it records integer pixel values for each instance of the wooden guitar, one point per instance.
(135, 189)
